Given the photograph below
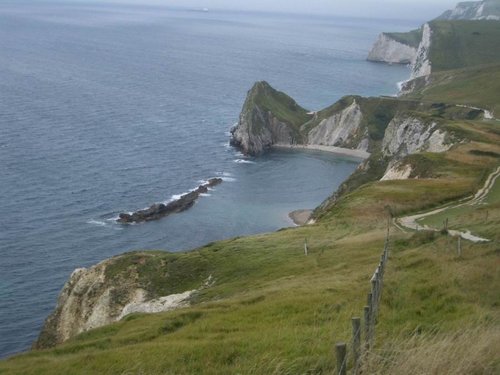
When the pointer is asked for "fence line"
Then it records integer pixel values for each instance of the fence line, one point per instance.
(370, 316)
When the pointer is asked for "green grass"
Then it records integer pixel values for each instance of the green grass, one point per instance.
(478, 86)
(460, 44)
(410, 38)
(280, 104)
(271, 309)
(482, 219)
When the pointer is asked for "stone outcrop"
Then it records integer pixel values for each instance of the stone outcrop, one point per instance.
(389, 50)
(397, 171)
(159, 210)
(407, 135)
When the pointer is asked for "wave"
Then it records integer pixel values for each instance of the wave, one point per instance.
(243, 161)
(97, 222)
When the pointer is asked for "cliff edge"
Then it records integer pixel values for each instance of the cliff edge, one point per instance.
(139, 282)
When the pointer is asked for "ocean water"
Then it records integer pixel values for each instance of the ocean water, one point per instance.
(110, 108)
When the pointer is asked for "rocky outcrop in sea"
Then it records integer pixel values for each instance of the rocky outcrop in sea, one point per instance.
(159, 210)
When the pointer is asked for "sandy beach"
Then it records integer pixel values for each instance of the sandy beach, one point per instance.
(336, 150)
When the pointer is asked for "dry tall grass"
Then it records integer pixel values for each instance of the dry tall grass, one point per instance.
(471, 351)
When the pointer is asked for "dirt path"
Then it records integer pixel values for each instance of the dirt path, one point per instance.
(411, 222)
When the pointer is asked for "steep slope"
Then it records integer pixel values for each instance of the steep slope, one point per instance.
(268, 117)
(396, 48)
(449, 45)
(114, 288)
(475, 87)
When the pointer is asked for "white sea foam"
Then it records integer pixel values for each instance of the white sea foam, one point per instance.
(205, 195)
(228, 179)
(97, 222)
(243, 161)
(225, 174)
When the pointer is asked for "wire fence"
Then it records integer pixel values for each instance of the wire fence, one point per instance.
(360, 349)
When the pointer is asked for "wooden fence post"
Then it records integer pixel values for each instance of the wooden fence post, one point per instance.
(366, 313)
(369, 329)
(356, 342)
(373, 306)
(341, 352)
(459, 246)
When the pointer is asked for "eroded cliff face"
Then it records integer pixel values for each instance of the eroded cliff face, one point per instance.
(391, 51)
(407, 135)
(258, 130)
(422, 65)
(341, 129)
(109, 291)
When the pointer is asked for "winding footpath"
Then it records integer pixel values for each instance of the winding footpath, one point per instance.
(411, 222)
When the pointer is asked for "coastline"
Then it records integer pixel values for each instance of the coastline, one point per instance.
(359, 154)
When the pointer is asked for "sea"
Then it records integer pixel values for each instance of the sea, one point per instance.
(111, 108)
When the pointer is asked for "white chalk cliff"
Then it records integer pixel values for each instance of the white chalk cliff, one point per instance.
(422, 64)
(336, 130)
(389, 50)
(94, 298)
(407, 135)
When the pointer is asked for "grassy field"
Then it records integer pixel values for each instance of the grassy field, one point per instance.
(273, 310)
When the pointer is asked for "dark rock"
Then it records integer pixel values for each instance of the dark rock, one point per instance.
(159, 210)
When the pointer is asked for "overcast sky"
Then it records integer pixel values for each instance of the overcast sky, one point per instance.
(410, 9)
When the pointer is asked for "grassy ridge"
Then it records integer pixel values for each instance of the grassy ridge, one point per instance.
(280, 104)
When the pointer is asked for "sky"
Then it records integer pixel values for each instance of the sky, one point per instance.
(409, 9)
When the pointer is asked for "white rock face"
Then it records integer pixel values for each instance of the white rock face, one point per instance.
(422, 65)
(409, 135)
(397, 172)
(391, 51)
(337, 129)
(90, 300)
(139, 304)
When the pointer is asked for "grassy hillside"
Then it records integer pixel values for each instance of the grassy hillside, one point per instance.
(460, 44)
(280, 104)
(477, 86)
(273, 310)
(410, 38)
